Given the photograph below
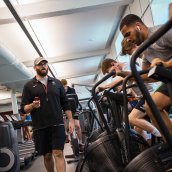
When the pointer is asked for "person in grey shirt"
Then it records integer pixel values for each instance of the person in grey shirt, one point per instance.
(133, 29)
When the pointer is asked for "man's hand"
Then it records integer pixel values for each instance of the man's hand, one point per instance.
(100, 89)
(156, 62)
(36, 104)
(71, 122)
(117, 67)
(71, 125)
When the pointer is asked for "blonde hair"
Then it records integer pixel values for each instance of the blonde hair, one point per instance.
(127, 47)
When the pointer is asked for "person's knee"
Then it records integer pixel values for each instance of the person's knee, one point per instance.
(148, 110)
(133, 116)
(137, 129)
(48, 156)
(131, 120)
(58, 153)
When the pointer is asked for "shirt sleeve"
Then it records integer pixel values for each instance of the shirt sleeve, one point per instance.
(150, 54)
(26, 98)
(63, 99)
(145, 62)
(77, 99)
(167, 39)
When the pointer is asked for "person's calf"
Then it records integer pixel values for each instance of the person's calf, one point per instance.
(79, 133)
(48, 162)
(59, 160)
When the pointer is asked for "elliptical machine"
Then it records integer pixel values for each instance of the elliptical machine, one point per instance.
(9, 153)
(73, 100)
(109, 150)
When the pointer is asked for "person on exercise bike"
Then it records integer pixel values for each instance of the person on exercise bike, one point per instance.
(137, 115)
(133, 29)
(107, 66)
(75, 113)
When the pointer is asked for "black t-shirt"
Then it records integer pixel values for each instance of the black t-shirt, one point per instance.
(71, 93)
(52, 101)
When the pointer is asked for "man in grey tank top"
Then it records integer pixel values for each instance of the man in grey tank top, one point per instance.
(133, 29)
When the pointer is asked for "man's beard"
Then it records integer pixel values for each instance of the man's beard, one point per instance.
(139, 38)
(42, 72)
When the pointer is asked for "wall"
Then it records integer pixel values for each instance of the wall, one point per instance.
(152, 12)
(7, 108)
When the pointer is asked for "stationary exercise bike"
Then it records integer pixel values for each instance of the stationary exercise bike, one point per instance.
(157, 158)
(73, 100)
(110, 151)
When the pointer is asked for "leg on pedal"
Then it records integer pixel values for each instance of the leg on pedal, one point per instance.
(79, 135)
(157, 98)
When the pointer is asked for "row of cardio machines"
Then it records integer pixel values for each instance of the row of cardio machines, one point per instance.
(114, 146)
(86, 123)
(15, 153)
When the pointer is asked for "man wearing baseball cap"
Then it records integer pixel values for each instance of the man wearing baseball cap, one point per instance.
(44, 98)
(39, 60)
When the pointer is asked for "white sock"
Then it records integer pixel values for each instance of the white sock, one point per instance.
(144, 134)
(156, 133)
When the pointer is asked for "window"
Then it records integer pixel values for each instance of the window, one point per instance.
(160, 11)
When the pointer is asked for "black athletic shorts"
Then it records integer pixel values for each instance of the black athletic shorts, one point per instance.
(74, 115)
(140, 105)
(49, 139)
(163, 89)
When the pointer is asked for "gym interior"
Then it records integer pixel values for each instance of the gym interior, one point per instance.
(75, 37)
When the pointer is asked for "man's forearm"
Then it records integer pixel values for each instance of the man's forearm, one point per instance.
(147, 79)
(123, 73)
(168, 64)
(28, 108)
